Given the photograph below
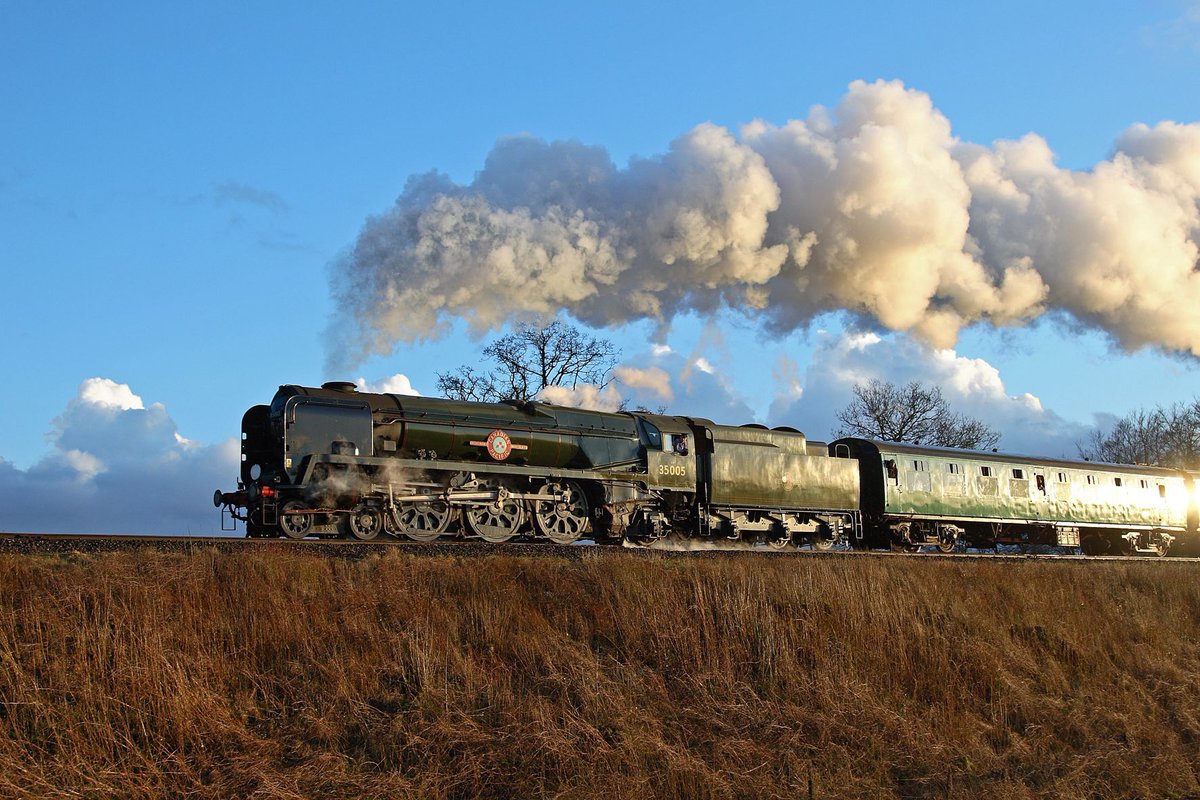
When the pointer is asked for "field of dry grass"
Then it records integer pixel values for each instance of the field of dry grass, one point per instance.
(293, 675)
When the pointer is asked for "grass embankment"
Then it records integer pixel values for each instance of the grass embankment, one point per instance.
(221, 675)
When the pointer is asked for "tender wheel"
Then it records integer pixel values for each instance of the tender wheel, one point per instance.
(565, 520)
(422, 522)
(364, 522)
(497, 521)
(822, 542)
(294, 525)
(781, 542)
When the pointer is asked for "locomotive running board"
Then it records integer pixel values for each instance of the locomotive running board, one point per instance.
(461, 498)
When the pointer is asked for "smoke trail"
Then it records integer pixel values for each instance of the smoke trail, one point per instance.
(872, 207)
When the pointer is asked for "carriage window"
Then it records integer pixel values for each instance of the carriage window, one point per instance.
(1162, 490)
(1018, 474)
(954, 469)
(1145, 485)
(1062, 477)
(1117, 481)
(985, 472)
(1091, 480)
(1041, 483)
(919, 466)
(892, 472)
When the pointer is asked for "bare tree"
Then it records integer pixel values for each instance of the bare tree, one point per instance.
(913, 413)
(1168, 436)
(529, 359)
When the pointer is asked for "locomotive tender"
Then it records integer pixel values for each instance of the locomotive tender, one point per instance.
(333, 461)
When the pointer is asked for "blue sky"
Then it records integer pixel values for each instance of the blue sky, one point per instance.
(176, 183)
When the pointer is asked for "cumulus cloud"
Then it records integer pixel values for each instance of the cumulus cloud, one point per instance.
(971, 385)
(872, 207)
(654, 380)
(117, 466)
(106, 393)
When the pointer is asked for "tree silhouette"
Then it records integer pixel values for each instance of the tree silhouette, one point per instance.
(519, 365)
(914, 413)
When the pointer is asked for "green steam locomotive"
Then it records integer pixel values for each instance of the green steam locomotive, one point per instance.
(333, 461)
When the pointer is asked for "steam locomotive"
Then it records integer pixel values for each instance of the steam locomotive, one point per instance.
(333, 461)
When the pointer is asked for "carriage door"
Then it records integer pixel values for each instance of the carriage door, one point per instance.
(1164, 511)
(1039, 493)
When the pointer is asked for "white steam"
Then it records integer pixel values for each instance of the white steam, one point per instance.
(873, 207)
(584, 395)
(394, 384)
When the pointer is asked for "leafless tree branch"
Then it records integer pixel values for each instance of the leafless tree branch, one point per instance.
(913, 413)
(1167, 436)
(527, 360)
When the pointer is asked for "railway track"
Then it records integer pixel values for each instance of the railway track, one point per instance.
(64, 543)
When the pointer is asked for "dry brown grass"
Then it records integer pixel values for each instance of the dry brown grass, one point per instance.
(288, 676)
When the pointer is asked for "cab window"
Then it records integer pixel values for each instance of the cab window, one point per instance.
(650, 435)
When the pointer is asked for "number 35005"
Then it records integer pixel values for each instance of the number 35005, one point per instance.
(672, 469)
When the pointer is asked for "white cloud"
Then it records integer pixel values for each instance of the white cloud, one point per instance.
(107, 393)
(698, 386)
(653, 379)
(86, 465)
(788, 377)
(971, 385)
(116, 466)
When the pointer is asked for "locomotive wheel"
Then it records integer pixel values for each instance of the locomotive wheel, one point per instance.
(295, 526)
(565, 520)
(422, 522)
(497, 521)
(904, 547)
(364, 522)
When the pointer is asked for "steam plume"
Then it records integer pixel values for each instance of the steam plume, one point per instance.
(873, 207)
